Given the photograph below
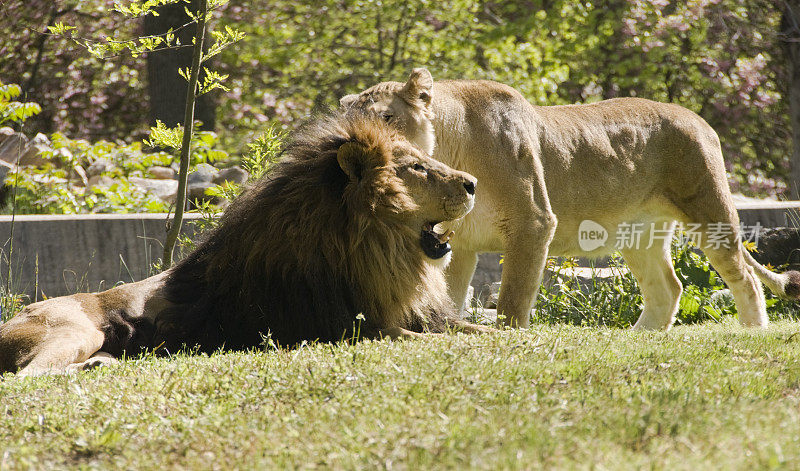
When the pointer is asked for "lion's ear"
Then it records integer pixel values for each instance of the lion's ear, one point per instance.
(347, 100)
(419, 84)
(351, 157)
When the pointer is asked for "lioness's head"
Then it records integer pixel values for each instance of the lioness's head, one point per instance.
(392, 179)
(406, 106)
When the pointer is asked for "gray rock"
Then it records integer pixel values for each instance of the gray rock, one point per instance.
(162, 173)
(99, 166)
(721, 298)
(166, 190)
(235, 174)
(13, 147)
(586, 277)
(63, 155)
(487, 272)
(5, 133)
(494, 294)
(778, 246)
(41, 139)
(99, 180)
(37, 156)
(78, 174)
(203, 173)
(5, 169)
(197, 191)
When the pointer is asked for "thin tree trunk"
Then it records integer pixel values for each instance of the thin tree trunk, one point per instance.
(188, 120)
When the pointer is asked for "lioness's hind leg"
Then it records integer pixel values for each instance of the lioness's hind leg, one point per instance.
(658, 283)
(742, 281)
(713, 210)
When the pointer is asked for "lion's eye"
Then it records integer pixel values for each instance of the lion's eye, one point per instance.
(419, 168)
(387, 117)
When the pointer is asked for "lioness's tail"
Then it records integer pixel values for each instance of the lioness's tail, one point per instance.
(785, 285)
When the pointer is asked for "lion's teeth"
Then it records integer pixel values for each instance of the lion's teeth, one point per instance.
(444, 238)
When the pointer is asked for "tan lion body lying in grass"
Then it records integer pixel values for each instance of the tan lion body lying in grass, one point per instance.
(551, 175)
(341, 226)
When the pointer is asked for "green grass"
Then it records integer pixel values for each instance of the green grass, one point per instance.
(701, 396)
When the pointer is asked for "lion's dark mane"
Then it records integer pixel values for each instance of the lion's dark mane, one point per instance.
(279, 262)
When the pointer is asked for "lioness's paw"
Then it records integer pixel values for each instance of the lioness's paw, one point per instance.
(98, 360)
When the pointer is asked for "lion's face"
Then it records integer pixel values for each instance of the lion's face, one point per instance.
(439, 192)
(399, 182)
(406, 106)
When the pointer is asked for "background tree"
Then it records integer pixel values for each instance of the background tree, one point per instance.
(81, 95)
(720, 58)
(167, 89)
(790, 35)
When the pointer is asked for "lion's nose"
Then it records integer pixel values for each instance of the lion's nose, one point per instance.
(470, 187)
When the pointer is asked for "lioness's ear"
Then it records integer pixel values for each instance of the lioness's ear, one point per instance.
(347, 100)
(419, 84)
(352, 157)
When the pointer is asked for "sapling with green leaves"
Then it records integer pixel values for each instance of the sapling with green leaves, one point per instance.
(160, 135)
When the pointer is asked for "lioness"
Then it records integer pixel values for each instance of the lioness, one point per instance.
(628, 168)
(335, 240)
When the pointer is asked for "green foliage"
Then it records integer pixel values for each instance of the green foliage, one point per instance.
(222, 39)
(702, 297)
(720, 58)
(163, 136)
(263, 152)
(617, 302)
(135, 47)
(612, 302)
(12, 111)
(10, 304)
(211, 81)
(141, 8)
(57, 189)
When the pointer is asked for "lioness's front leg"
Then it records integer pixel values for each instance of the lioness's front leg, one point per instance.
(399, 332)
(527, 225)
(459, 273)
(522, 274)
(460, 325)
(97, 360)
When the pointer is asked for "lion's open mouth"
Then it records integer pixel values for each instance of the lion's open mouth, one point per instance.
(435, 245)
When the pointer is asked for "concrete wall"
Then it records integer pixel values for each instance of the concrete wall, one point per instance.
(57, 255)
(770, 213)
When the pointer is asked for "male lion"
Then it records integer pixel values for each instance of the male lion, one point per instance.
(341, 226)
(626, 168)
